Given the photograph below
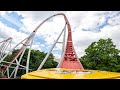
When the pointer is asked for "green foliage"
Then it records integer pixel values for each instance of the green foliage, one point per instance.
(102, 55)
(36, 58)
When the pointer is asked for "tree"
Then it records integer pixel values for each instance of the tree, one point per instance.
(36, 58)
(102, 55)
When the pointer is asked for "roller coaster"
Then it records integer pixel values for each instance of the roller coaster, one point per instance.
(69, 66)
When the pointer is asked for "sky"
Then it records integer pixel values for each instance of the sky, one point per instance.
(87, 27)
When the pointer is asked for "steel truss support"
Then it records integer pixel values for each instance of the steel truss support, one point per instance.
(68, 52)
(4, 46)
(25, 43)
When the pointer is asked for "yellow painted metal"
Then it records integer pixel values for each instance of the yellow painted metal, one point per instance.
(62, 73)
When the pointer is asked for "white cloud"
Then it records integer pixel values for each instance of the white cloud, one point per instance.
(79, 20)
(113, 33)
(57, 56)
(82, 39)
(6, 32)
(42, 45)
(33, 18)
(36, 47)
(9, 32)
(2, 12)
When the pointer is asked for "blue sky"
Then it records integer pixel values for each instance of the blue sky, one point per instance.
(87, 27)
(12, 20)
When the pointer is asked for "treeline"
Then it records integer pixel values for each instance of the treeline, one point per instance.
(102, 55)
(36, 57)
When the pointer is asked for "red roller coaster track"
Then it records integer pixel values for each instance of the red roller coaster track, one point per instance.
(69, 58)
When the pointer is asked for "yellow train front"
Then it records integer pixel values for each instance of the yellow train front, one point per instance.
(62, 73)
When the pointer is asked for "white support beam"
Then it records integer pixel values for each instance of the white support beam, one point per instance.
(41, 65)
(28, 58)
